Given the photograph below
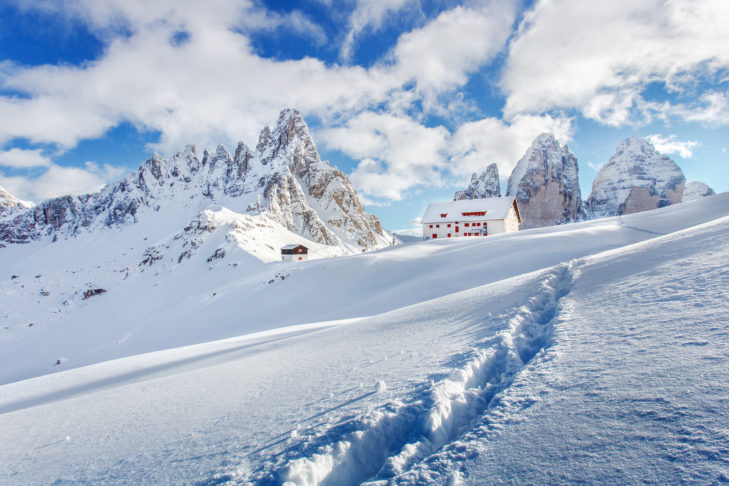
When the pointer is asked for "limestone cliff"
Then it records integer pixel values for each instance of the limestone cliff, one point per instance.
(545, 184)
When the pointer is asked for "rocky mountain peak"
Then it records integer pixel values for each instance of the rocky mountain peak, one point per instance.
(264, 140)
(635, 144)
(696, 190)
(545, 184)
(636, 178)
(290, 142)
(190, 152)
(483, 185)
(222, 153)
(290, 124)
(545, 139)
(285, 177)
(187, 159)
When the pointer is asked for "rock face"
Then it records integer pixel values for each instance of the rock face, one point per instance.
(485, 184)
(637, 178)
(696, 190)
(284, 177)
(8, 202)
(545, 184)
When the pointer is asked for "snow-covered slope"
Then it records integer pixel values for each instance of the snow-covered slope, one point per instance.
(176, 290)
(592, 352)
(696, 190)
(546, 185)
(284, 177)
(483, 185)
(9, 202)
(636, 178)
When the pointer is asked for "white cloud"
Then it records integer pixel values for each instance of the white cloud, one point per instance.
(209, 90)
(598, 57)
(441, 55)
(58, 181)
(415, 228)
(110, 17)
(16, 158)
(213, 88)
(397, 153)
(477, 144)
(671, 145)
(712, 109)
(368, 14)
(596, 166)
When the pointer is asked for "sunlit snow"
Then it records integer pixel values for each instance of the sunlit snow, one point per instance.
(594, 352)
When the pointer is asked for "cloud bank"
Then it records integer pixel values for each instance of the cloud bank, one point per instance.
(190, 71)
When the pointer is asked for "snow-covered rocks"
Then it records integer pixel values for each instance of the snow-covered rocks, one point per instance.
(284, 177)
(545, 184)
(696, 190)
(9, 202)
(485, 184)
(637, 178)
(219, 233)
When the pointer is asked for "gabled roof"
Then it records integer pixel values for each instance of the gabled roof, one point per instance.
(495, 208)
(292, 247)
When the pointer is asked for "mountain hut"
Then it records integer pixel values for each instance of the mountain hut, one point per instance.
(294, 253)
(470, 217)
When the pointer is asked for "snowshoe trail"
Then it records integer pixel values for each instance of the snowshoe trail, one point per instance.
(383, 443)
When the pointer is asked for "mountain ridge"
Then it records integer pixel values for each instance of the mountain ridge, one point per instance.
(546, 186)
(284, 176)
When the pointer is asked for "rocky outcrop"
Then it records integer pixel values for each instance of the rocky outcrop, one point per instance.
(485, 184)
(284, 176)
(637, 178)
(332, 210)
(545, 184)
(696, 190)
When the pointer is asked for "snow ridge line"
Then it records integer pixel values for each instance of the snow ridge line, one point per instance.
(388, 441)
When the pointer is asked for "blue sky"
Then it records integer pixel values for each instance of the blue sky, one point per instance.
(408, 97)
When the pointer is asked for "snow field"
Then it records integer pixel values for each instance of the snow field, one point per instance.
(387, 441)
(630, 392)
(529, 358)
(165, 305)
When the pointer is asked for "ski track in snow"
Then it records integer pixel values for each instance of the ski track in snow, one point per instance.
(451, 379)
(385, 442)
(691, 431)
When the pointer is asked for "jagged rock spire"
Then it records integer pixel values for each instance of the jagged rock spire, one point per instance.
(545, 184)
(485, 184)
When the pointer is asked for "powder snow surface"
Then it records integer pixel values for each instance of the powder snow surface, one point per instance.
(593, 352)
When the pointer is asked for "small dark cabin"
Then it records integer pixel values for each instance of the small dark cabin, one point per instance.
(294, 253)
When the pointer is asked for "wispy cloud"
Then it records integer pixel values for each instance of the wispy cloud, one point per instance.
(671, 145)
(56, 180)
(368, 15)
(16, 158)
(596, 166)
